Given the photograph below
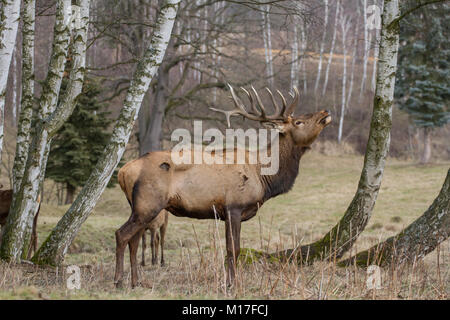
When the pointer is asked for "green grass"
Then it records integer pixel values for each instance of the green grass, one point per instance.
(320, 196)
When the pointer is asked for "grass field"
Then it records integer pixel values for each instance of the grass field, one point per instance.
(195, 248)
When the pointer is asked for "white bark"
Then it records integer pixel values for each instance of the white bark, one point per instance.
(24, 201)
(366, 50)
(352, 71)
(375, 55)
(9, 15)
(336, 242)
(267, 44)
(294, 59)
(14, 89)
(322, 44)
(345, 26)
(303, 56)
(55, 246)
(330, 57)
(26, 110)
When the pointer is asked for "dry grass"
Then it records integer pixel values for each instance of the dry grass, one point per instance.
(195, 248)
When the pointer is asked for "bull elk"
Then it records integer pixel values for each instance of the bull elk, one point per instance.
(5, 203)
(232, 192)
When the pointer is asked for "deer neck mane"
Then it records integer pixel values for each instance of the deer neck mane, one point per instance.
(289, 163)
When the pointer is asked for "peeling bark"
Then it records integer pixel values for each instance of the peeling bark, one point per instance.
(54, 248)
(415, 241)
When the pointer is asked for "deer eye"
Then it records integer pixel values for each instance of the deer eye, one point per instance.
(298, 123)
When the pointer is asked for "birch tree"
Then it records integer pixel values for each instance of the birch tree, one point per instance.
(333, 41)
(366, 49)
(345, 26)
(51, 118)
(267, 44)
(341, 237)
(415, 241)
(294, 58)
(54, 248)
(26, 110)
(322, 44)
(9, 15)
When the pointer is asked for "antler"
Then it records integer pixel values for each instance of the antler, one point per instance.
(260, 115)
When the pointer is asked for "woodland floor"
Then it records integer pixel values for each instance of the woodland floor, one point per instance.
(194, 253)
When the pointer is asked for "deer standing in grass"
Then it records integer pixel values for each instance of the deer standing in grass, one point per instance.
(229, 192)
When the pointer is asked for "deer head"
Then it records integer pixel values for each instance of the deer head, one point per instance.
(303, 129)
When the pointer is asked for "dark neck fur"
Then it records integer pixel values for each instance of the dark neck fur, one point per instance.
(289, 160)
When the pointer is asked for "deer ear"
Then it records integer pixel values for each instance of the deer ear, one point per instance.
(277, 125)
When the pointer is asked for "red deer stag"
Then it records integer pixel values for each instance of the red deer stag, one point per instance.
(5, 203)
(231, 192)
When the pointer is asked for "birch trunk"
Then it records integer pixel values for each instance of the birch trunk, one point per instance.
(267, 44)
(352, 68)
(375, 59)
(303, 56)
(415, 241)
(26, 110)
(55, 246)
(366, 50)
(330, 57)
(294, 59)
(322, 44)
(9, 15)
(335, 243)
(345, 25)
(51, 118)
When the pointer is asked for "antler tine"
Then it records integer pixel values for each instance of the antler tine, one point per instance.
(290, 109)
(239, 110)
(261, 106)
(275, 104)
(252, 102)
(227, 114)
(283, 108)
(237, 101)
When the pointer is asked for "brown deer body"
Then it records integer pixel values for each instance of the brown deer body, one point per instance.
(231, 192)
(5, 203)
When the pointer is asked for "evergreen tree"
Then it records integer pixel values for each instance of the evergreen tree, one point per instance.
(80, 142)
(423, 70)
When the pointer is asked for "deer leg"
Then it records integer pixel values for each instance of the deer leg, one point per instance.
(232, 234)
(123, 236)
(144, 246)
(153, 245)
(133, 245)
(162, 232)
(157, 238)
